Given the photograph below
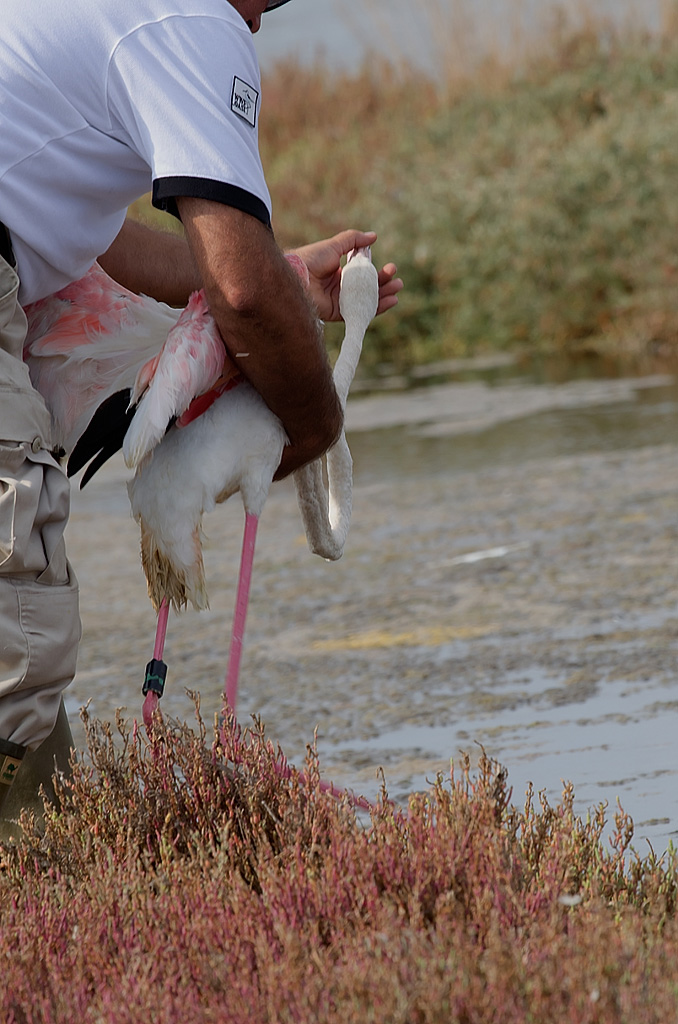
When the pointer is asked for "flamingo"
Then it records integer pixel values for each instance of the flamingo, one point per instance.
(195, 430)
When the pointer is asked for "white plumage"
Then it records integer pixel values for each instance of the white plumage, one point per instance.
(236, 445)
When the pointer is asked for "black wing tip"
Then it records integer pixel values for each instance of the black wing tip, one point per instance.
(103, 436)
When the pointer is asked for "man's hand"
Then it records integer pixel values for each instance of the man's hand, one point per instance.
(323, 260)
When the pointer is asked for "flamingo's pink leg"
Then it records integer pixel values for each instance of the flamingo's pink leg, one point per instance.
(240, 615)
(161, 630)
(152, 695)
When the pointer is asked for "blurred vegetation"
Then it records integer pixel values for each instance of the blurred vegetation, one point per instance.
(529, 208)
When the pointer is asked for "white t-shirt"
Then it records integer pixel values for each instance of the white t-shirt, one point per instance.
(100, 102)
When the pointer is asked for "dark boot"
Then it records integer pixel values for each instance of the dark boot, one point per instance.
(11, 758)
(33, 771)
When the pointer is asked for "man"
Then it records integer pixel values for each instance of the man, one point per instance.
(97, 106)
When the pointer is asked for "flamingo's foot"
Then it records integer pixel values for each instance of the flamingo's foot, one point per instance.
(148, 712)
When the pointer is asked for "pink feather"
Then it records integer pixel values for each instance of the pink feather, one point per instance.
(190, 363)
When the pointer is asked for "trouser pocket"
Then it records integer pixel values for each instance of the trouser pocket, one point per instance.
(40, 626)
(34, 507)
(40, 629)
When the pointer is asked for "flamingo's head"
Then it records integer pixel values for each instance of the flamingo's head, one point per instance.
(359, 291)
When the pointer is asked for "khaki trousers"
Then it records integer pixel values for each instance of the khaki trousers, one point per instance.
(39, 619)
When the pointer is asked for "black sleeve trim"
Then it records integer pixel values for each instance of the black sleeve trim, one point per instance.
(166, 190)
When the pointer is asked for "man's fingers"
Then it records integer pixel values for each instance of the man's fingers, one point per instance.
(386, 302)
(387, 272)
(389, 287)
(345, 241)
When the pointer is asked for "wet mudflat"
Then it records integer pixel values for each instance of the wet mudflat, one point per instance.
(510, 579)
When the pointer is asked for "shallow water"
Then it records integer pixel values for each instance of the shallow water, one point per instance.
(562, 422)
(510, 579)
(618, 744)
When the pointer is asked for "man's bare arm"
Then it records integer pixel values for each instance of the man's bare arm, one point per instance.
(267, 323)
(152, 262)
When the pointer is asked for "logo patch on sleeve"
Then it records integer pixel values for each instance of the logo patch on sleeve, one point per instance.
(244, 101)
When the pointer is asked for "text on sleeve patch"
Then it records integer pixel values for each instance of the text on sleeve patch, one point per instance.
(244, 101)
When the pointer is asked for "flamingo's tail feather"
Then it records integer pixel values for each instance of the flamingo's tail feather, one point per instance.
(171, 579)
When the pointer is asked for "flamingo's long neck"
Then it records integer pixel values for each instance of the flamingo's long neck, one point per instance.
(326, 515)
(347, 361)
(358, 299)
